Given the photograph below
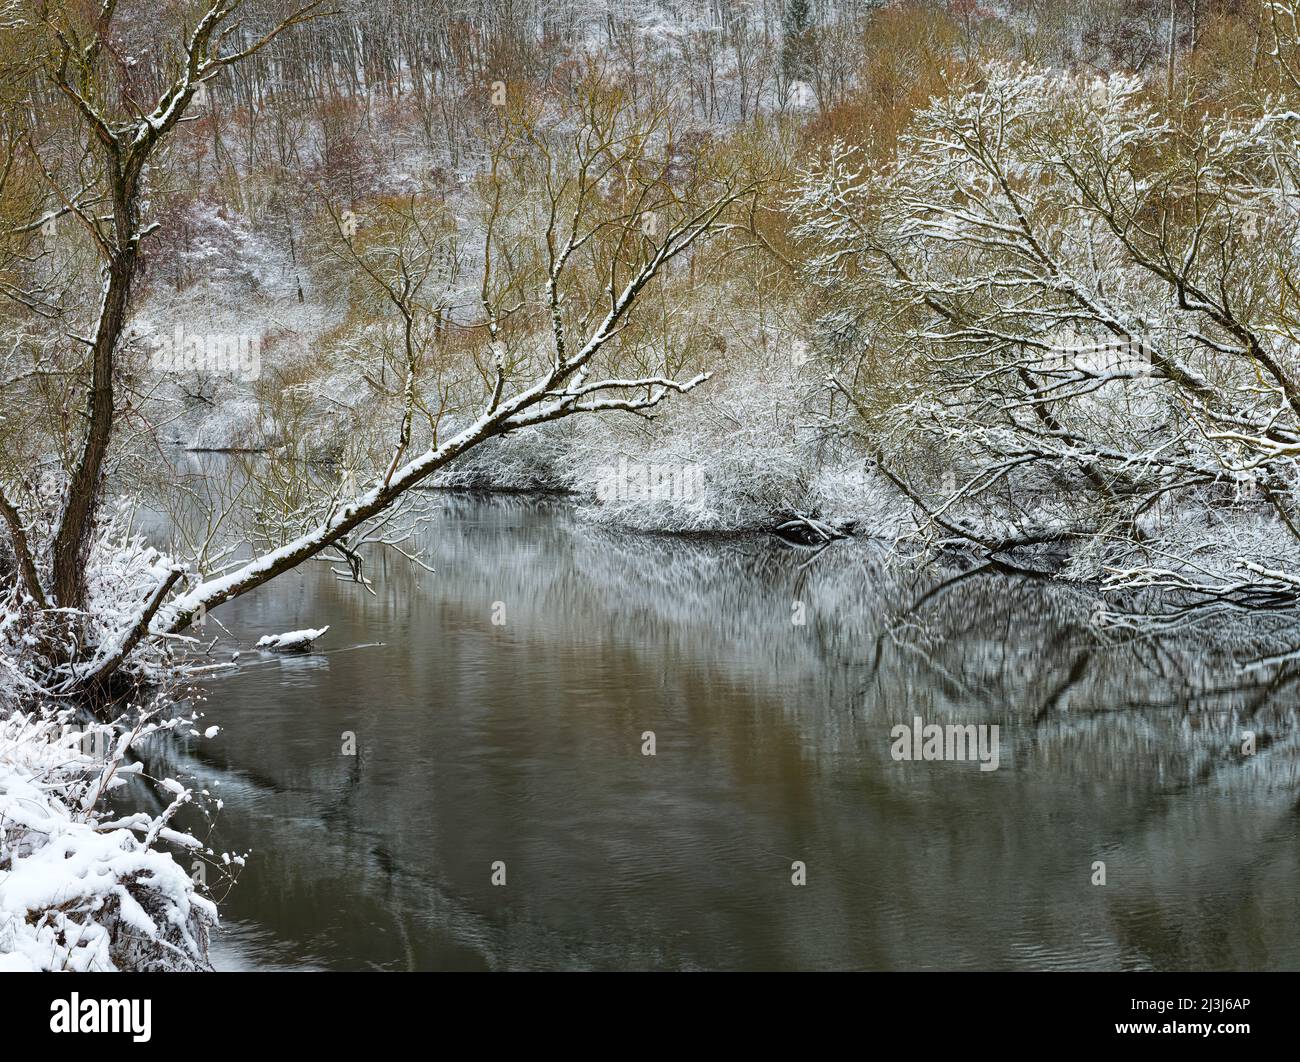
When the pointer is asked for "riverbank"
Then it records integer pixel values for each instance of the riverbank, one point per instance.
(83, 890)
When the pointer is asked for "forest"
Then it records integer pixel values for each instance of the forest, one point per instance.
(1013, 286)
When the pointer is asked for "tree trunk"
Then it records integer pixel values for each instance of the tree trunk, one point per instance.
(77, 520)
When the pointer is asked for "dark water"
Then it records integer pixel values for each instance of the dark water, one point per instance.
(522, 743)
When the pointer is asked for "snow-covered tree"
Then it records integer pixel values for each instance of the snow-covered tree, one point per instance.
(1088, 306)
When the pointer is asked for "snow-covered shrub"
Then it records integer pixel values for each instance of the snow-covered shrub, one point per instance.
(848, 492)
(124, 570)
(210, 242)
(80, 890)
(743, 446)
(533, 459)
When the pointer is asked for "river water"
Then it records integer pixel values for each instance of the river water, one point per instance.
(501, 705)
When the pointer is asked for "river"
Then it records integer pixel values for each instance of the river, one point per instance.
(501, 708)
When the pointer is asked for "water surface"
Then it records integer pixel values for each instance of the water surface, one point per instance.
(522, 742)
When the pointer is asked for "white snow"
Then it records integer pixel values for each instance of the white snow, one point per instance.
(79, 892)
(291, 641)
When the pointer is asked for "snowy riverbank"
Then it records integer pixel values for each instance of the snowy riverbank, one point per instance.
(81, 890)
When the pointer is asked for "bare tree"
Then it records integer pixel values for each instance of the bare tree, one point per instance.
(126, 135)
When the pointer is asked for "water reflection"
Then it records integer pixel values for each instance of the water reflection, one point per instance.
(522, 743)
